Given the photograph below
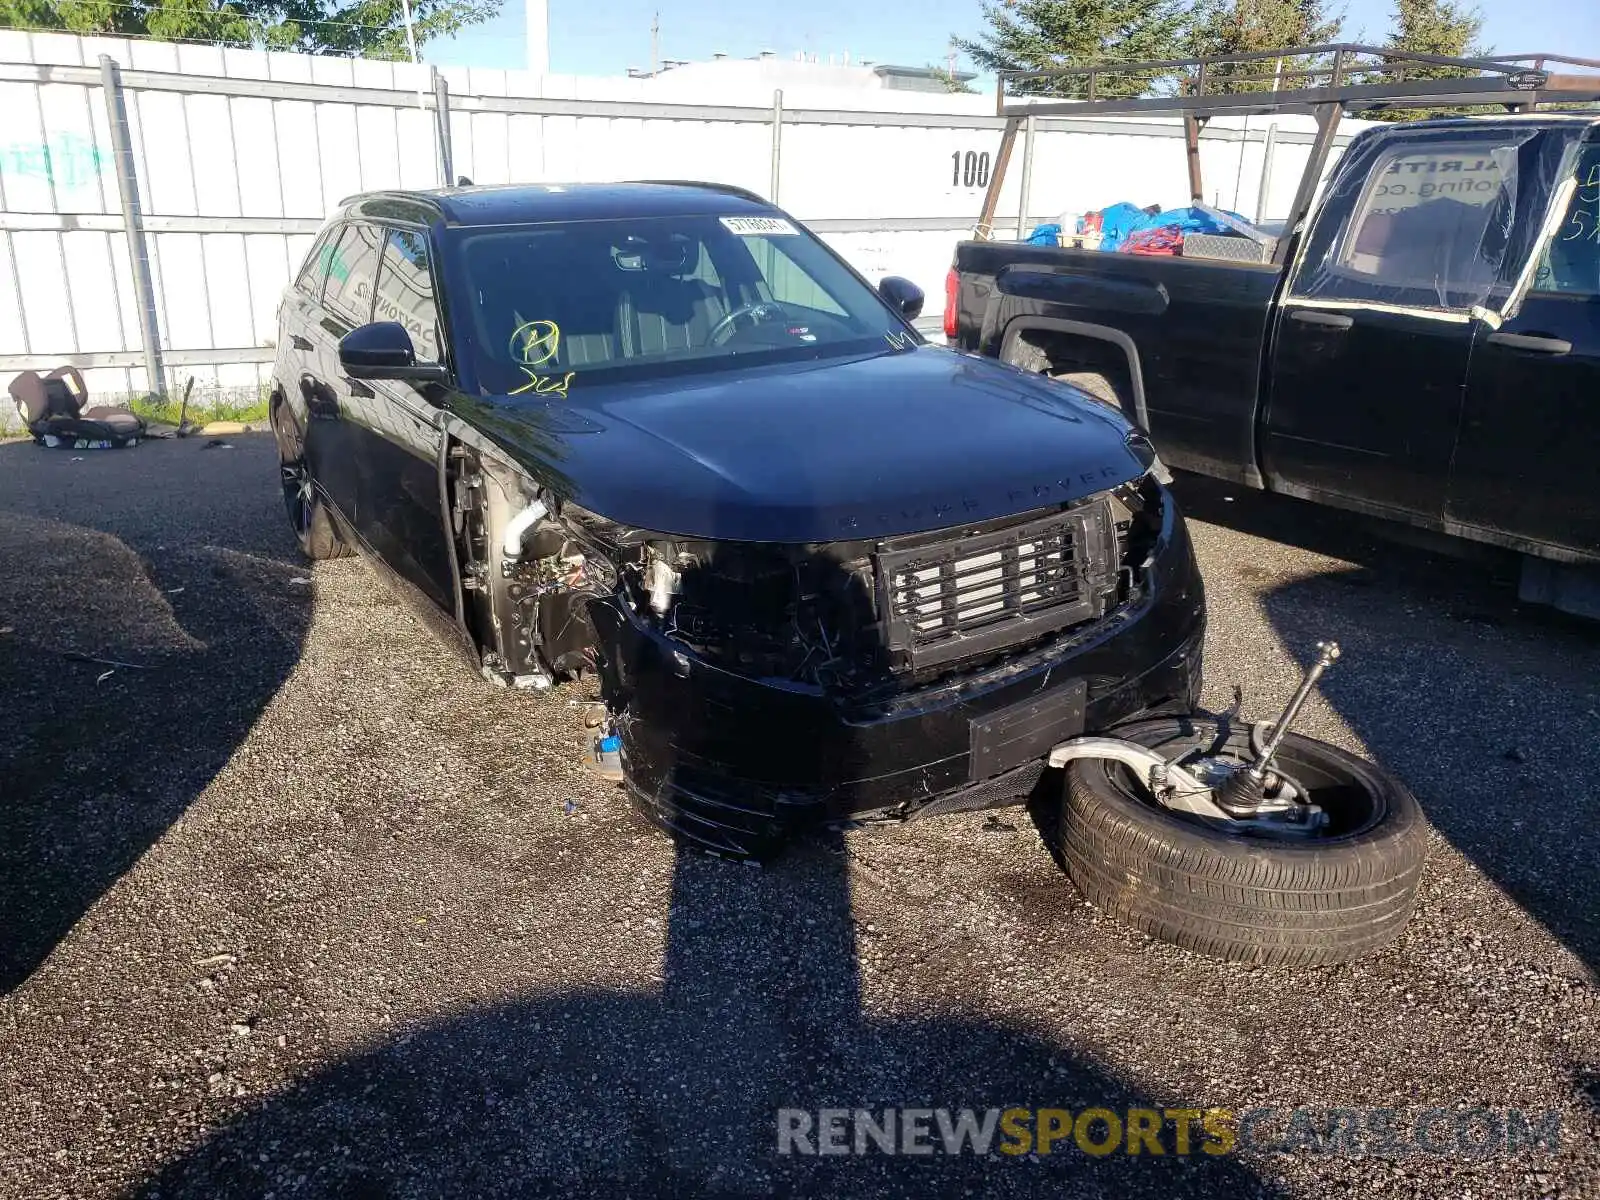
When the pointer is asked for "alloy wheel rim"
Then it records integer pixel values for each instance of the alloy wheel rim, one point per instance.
(298, 493)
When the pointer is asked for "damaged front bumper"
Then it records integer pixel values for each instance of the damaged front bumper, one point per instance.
(735, 764)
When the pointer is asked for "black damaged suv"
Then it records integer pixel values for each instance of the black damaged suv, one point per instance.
(660, 432)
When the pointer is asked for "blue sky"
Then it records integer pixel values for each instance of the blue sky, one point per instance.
(606, 37)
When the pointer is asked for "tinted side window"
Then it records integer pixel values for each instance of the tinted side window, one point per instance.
(1570, 263)
(352, 266)
(405, 291)
(315, 269)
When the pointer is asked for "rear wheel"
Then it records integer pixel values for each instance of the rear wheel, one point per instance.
(1247, 895)
(1097, 385)
(308, 512)
(1037, 359)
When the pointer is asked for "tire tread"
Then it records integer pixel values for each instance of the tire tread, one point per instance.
(1238, 898)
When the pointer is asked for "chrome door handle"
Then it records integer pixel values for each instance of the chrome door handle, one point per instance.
(1315, 316)
(1536, 342)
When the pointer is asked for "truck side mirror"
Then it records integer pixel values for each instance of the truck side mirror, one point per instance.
(383, 350)
(905, 296)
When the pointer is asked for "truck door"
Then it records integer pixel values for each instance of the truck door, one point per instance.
(1529, 459)
(1375, 329)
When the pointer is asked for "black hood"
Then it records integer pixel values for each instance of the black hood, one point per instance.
(831, 450)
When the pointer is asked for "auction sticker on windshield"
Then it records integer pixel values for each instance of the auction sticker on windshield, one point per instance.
(757, 226)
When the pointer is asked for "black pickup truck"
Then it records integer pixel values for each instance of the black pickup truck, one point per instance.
(1429, 351)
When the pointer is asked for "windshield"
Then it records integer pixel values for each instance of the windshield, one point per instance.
(549, 307)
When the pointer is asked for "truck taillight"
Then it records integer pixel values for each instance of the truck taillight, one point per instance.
(952, 285)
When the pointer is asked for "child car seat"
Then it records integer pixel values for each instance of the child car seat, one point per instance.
(52, 407)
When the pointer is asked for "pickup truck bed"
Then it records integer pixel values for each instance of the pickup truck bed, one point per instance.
(1181, 338)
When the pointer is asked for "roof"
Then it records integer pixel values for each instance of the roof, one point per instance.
(523, 203)
(1531, 122)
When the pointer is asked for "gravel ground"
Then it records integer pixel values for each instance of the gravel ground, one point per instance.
(303, 908)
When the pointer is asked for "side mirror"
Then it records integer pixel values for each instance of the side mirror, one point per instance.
(905, 296)
(383, 350)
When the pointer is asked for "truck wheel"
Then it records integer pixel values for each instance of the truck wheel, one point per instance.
(1246, 895)
(1096, 384)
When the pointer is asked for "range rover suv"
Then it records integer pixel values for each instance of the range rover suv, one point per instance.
(660, 432)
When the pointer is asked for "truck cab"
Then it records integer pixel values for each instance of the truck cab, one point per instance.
(1426, 349)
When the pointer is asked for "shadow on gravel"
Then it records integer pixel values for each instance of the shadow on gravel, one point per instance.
(157, 561)
(677, 1092)
(1488, 709)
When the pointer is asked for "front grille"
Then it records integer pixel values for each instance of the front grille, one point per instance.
(979, 591)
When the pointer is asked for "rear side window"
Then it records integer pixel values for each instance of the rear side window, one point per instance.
(315, 269)
(1422, 224)
(405, 291)
(1569, 264)
(352, 269)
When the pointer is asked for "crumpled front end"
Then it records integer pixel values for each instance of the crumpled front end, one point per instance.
(761, 689)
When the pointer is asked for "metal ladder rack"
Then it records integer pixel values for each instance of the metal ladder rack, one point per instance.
(1326, 81)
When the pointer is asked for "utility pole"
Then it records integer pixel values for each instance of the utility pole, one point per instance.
(655, 43)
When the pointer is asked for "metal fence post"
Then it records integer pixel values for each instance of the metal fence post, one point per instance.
(441, 124)
(1266, 172)
(133, 226)
(1027, 178)
(777, 141)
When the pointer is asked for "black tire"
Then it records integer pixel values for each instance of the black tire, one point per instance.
(1256, 899)
(308, 512)
(1097, 385)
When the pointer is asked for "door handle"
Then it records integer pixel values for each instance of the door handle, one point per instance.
(1537, 342)
(298, 342)
(357, 388)
(1315, 316)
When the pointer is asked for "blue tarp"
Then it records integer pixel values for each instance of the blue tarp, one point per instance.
(1120, 220)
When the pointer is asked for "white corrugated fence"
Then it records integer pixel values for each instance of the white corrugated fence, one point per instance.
(238, 155)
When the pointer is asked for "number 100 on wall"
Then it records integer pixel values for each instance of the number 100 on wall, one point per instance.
(970, 169)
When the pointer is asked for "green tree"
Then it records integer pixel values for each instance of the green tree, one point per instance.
(950, 80)
(1223, 27)
(1445, 27)
(362, 28)
(1039, 35)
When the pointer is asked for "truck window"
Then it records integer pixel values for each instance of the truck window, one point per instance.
(1570, 261)
(1422, 223)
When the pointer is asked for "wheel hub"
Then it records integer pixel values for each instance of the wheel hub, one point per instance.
(1222, 788)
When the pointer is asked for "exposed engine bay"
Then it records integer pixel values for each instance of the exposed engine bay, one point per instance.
(752, 688)
(851, 620)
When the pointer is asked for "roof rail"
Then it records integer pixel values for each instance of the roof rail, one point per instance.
(727, 188)
(419, 196)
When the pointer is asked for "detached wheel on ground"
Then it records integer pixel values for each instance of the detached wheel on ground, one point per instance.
(308, 514)
(1246, 895)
